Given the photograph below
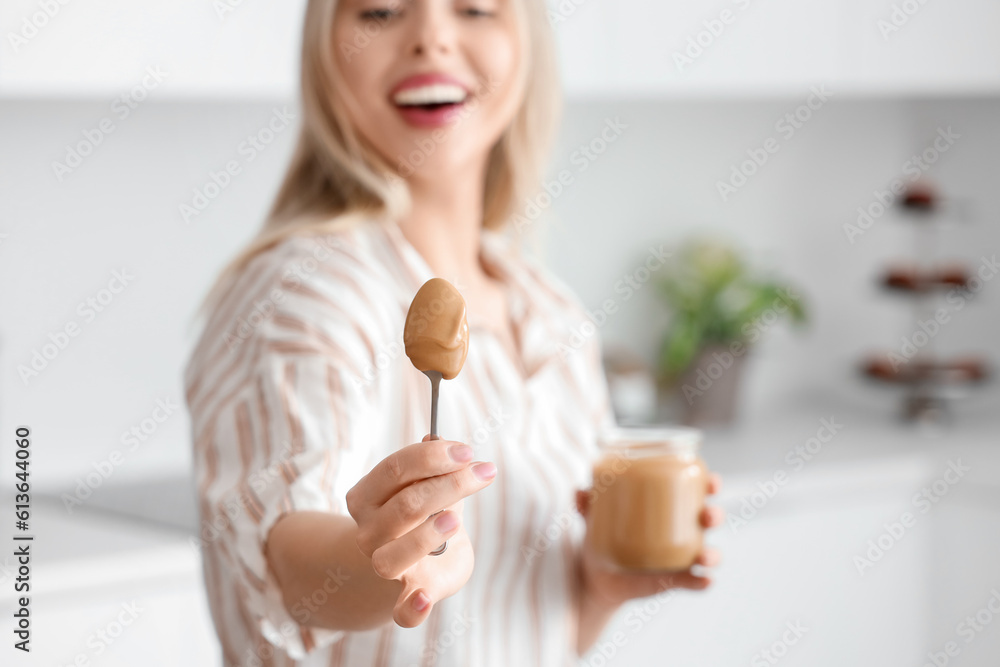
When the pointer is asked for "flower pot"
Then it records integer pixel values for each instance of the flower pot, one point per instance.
(709, 389)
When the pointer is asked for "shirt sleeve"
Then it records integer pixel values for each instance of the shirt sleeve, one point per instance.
(289, 441)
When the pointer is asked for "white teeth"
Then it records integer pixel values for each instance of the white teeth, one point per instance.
(434, 94)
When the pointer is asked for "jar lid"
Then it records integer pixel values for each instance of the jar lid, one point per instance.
(651, 439)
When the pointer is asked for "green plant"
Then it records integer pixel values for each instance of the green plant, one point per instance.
(715, 298)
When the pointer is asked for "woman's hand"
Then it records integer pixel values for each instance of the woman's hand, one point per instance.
(392, 506)
(607, 588)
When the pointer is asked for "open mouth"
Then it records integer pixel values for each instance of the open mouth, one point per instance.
(433, 97)
(432, 106)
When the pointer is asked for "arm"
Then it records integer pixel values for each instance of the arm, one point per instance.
(374, 565)
(315, 551)
(593, 616)
(603, 591)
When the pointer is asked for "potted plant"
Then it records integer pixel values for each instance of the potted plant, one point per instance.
(719, 308)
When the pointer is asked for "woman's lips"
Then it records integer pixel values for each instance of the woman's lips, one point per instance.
(423, 117)
(430, 87)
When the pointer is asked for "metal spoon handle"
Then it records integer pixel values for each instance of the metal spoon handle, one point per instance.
(435, 378)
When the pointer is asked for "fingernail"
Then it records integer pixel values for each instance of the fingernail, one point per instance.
(460, 453)
(446, 522)
(420, 601)
(485, 471)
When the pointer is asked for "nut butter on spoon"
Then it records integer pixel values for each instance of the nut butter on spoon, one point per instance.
(436, 335)
(436, 339)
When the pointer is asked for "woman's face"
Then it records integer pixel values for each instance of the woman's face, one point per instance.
(431, 84)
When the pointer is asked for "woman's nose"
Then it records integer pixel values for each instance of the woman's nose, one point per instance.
(433, 27)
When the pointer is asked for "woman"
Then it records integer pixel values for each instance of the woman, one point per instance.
(323, 507)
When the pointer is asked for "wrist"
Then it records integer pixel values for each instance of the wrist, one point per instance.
(595, 607)
(594, 588)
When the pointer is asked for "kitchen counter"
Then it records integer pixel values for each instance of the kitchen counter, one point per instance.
(842, 439)
(811, 487)
(111, 590)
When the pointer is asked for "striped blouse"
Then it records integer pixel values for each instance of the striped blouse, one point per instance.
(299, 385)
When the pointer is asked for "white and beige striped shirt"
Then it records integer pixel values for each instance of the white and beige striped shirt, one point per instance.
(299, 385)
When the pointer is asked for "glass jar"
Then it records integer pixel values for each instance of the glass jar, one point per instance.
(648, 492)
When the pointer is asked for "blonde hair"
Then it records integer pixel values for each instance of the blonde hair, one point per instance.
(336, 180)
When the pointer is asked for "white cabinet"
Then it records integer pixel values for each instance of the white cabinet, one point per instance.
(922, 46)
(725, 46)
(157, 624)
(778, 46)
(108, 591)
(103, 48)
(825, 573)
(237, 48)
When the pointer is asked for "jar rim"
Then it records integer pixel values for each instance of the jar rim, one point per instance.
(650, 438)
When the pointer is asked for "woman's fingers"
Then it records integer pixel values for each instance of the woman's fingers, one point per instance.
(687, 580)
(432, 580)
(712, 516)
(412, 505)
(640, 585)
(412, 608)
(714, 483)
(708, 558)
(405, 466)
(392, 559)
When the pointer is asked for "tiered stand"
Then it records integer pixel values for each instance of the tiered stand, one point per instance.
(930, 381)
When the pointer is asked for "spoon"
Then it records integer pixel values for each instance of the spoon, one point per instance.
(435, 378)
(436, 339)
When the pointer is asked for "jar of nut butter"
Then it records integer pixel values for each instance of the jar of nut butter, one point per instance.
(648, 492)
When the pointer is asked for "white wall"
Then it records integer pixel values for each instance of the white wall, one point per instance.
(658, 183)
(119, 209)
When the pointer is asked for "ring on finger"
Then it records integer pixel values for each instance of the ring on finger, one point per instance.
(444, 547)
